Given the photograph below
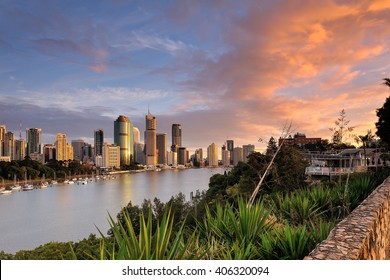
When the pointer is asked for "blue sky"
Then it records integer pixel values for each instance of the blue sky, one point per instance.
(223, 69)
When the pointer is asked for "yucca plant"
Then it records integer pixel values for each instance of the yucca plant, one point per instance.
(320, 231)
(243, 224)
(291, 242)
(160, 244)
(359, 188)
(296, 208)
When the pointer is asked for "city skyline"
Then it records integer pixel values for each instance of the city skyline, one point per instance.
(223, 70)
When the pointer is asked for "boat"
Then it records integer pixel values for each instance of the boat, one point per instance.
(53, 182)
(28, 187)
(84, 182)
(44, 184)
(6, 192)
(71, 182)
(16, 186)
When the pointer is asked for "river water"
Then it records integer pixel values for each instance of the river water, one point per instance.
(71, 212)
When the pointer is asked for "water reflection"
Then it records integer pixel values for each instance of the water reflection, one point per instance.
(71, 212)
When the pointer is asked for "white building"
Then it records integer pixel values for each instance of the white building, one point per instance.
(111, 156)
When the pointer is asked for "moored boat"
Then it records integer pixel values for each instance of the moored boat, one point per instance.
(28, 187)
(6, 192)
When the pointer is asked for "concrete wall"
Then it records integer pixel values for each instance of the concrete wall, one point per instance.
(364, 234)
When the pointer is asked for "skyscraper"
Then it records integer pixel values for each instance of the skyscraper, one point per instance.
(78, 149)
(111, 156)
(247, 150)
(176, 137)
(225, 156)
(9, 145)
(61, 147)
(3, 131)
(162, 148)
(34, 141)
(98, 141)
(182, 156)
(20, 149)
(212, 155)
(123, 137)
(230, 148)
(137, 135)
(238, 155)
(150, 139)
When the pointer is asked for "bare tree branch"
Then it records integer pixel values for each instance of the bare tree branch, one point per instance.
(285, 132)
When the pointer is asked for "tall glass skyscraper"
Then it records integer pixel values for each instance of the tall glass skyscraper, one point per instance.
(34, 140)
(150, 139)
(162, 148)
(176, 137)
(98, 141)
(123, 137)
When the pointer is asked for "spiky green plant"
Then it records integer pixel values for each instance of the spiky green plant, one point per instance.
(291, 242)
(359, 188)
(244, 223)
(296, 208)
(160, 244)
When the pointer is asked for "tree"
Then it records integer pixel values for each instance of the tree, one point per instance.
(365, 140)
(271, 147)
(383, 124)
(341, 129)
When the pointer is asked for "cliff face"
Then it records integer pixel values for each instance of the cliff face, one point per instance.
(364, 234)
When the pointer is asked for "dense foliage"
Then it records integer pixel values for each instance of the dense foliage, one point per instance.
(31, 169)
(383, 124)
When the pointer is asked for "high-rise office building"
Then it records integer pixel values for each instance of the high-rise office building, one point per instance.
(225, 156)
(61, 147)
(161, 148)
(49, 152)
(3, 131)
(20, 149)
(98, 141)
(139, 155)
(176, 137)
(78, 149)
(87, 153)
(212, 155)
(247, 150)
(150, 140)
(69, 152)
(34, 141)
(238, 155)
(123, 137)
(9, 145)
(136, 135)
(111, 156)
(182, 156)
(230, 148)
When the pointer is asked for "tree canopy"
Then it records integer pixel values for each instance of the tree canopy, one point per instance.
(383, 113)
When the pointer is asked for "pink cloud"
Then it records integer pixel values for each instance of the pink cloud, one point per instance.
(322, 57)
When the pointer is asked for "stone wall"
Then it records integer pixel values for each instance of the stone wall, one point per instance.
(364, 234)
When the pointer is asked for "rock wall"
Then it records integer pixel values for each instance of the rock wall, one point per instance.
(364, 234)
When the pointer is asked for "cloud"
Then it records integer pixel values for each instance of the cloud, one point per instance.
(297, 61)
(139, 41)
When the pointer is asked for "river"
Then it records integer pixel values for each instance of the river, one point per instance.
(70, 212)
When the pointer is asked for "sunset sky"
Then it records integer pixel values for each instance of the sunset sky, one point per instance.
(223, 69)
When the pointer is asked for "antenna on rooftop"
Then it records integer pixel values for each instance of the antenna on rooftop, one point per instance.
(148, 110)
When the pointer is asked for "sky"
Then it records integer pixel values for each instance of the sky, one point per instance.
(224, 70)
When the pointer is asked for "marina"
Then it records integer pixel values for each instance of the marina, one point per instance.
(70, 212)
